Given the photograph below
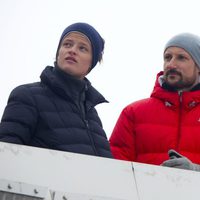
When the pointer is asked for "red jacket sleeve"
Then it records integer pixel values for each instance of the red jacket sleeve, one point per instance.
(122, 140)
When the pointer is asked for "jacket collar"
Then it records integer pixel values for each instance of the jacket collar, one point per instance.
(69, 87)
(167, 95)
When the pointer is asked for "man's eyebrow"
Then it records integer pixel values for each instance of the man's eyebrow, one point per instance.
(67, 39)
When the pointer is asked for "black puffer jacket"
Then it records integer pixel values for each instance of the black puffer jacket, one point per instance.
(56, 113)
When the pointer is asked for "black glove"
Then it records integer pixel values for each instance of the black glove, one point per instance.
(178, 161)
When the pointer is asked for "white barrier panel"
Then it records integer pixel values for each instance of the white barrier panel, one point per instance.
(164, 183)
(68, 176)
(67, 172)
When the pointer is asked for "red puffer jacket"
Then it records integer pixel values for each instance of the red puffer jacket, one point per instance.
(148, 128)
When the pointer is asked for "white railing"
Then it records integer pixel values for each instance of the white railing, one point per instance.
(36, 173)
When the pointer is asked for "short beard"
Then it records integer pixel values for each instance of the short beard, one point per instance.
(180, 84)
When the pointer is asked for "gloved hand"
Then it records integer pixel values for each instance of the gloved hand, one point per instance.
(178, 161)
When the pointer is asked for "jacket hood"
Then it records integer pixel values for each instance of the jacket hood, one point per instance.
(173, 97)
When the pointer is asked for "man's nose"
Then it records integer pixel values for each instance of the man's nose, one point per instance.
(171, 66)
(73, 50)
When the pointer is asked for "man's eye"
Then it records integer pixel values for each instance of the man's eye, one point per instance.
(181, 57)
(167, 57)
(82, 48)
(67, 44)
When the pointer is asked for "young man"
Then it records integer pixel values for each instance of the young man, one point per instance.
(59, 111)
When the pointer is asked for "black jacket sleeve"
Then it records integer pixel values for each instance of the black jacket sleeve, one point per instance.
(20, 117)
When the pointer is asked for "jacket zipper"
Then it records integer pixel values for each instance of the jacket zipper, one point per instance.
(83, 114)
(180, 93)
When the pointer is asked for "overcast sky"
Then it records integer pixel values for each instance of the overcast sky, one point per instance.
(135, 32)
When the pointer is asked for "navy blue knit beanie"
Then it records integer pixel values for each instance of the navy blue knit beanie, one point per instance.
(189, 42)
(96, 40)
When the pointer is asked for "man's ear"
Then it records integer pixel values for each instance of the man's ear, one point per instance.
(198, 69)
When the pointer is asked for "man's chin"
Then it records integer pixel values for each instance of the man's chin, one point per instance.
(173, 84)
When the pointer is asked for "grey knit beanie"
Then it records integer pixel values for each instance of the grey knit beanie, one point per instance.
(189, 42)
